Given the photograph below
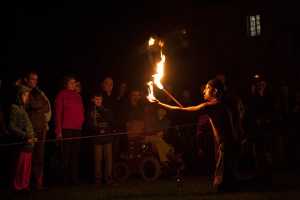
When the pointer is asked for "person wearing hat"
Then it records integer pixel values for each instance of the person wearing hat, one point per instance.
(223, 117)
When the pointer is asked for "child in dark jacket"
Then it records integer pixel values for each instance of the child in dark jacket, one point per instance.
(99, 120)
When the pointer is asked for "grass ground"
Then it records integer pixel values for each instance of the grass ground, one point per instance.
(287, 186)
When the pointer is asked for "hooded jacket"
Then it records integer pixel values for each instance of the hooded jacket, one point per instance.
(19, 123)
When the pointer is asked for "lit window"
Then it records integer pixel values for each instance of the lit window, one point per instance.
(253, 25)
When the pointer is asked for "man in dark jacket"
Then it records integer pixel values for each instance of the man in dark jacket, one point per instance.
(37, 109)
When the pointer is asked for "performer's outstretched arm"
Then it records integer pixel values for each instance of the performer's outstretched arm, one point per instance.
(190, 108)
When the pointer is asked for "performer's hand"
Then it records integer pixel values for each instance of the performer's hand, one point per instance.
(152, 99)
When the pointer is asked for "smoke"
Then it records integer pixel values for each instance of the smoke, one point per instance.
(172, 41)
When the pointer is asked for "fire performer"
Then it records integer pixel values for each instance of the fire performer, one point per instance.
(223, 118)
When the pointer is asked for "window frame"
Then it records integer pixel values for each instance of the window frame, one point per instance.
(253, 25)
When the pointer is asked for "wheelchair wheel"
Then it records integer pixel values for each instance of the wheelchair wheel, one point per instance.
(150, 168)
(121, 171)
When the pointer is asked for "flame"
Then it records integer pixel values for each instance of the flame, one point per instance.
(160, 72)
(150, 95)
(160, 69)
(151, 41)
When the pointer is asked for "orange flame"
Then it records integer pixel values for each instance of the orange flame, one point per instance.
(150, 95)
(160, 70)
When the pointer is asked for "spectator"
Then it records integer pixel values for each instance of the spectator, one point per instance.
(133, 109)
(185, 98)
(23, 134)
(39, 112)
(110, 98)
(123, 91)
(99, 119)
(259, 121)
(68, 120)
(84, 94)
(156, 128)
(78, 87)
(235, 98)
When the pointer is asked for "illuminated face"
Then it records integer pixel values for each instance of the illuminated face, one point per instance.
(25, 97)
(108, 85)
(71, 84)
(97, 100)
(208, 93)
(135, 96)
(32, 81)
(78, 86)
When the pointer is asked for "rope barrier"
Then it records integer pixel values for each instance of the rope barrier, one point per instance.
(93, 136)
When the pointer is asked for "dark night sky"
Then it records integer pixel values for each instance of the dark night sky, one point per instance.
(90, 39)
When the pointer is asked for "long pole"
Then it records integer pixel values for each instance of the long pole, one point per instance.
(172, 97)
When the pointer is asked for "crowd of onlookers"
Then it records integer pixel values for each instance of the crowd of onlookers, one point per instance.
(40, 134)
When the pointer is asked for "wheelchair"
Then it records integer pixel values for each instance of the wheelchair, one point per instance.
(138, 160)
(141, 160)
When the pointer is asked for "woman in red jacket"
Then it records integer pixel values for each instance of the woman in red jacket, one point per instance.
(68, 120)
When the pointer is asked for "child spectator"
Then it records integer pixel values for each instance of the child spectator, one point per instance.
(22, 133)
(99, 120)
